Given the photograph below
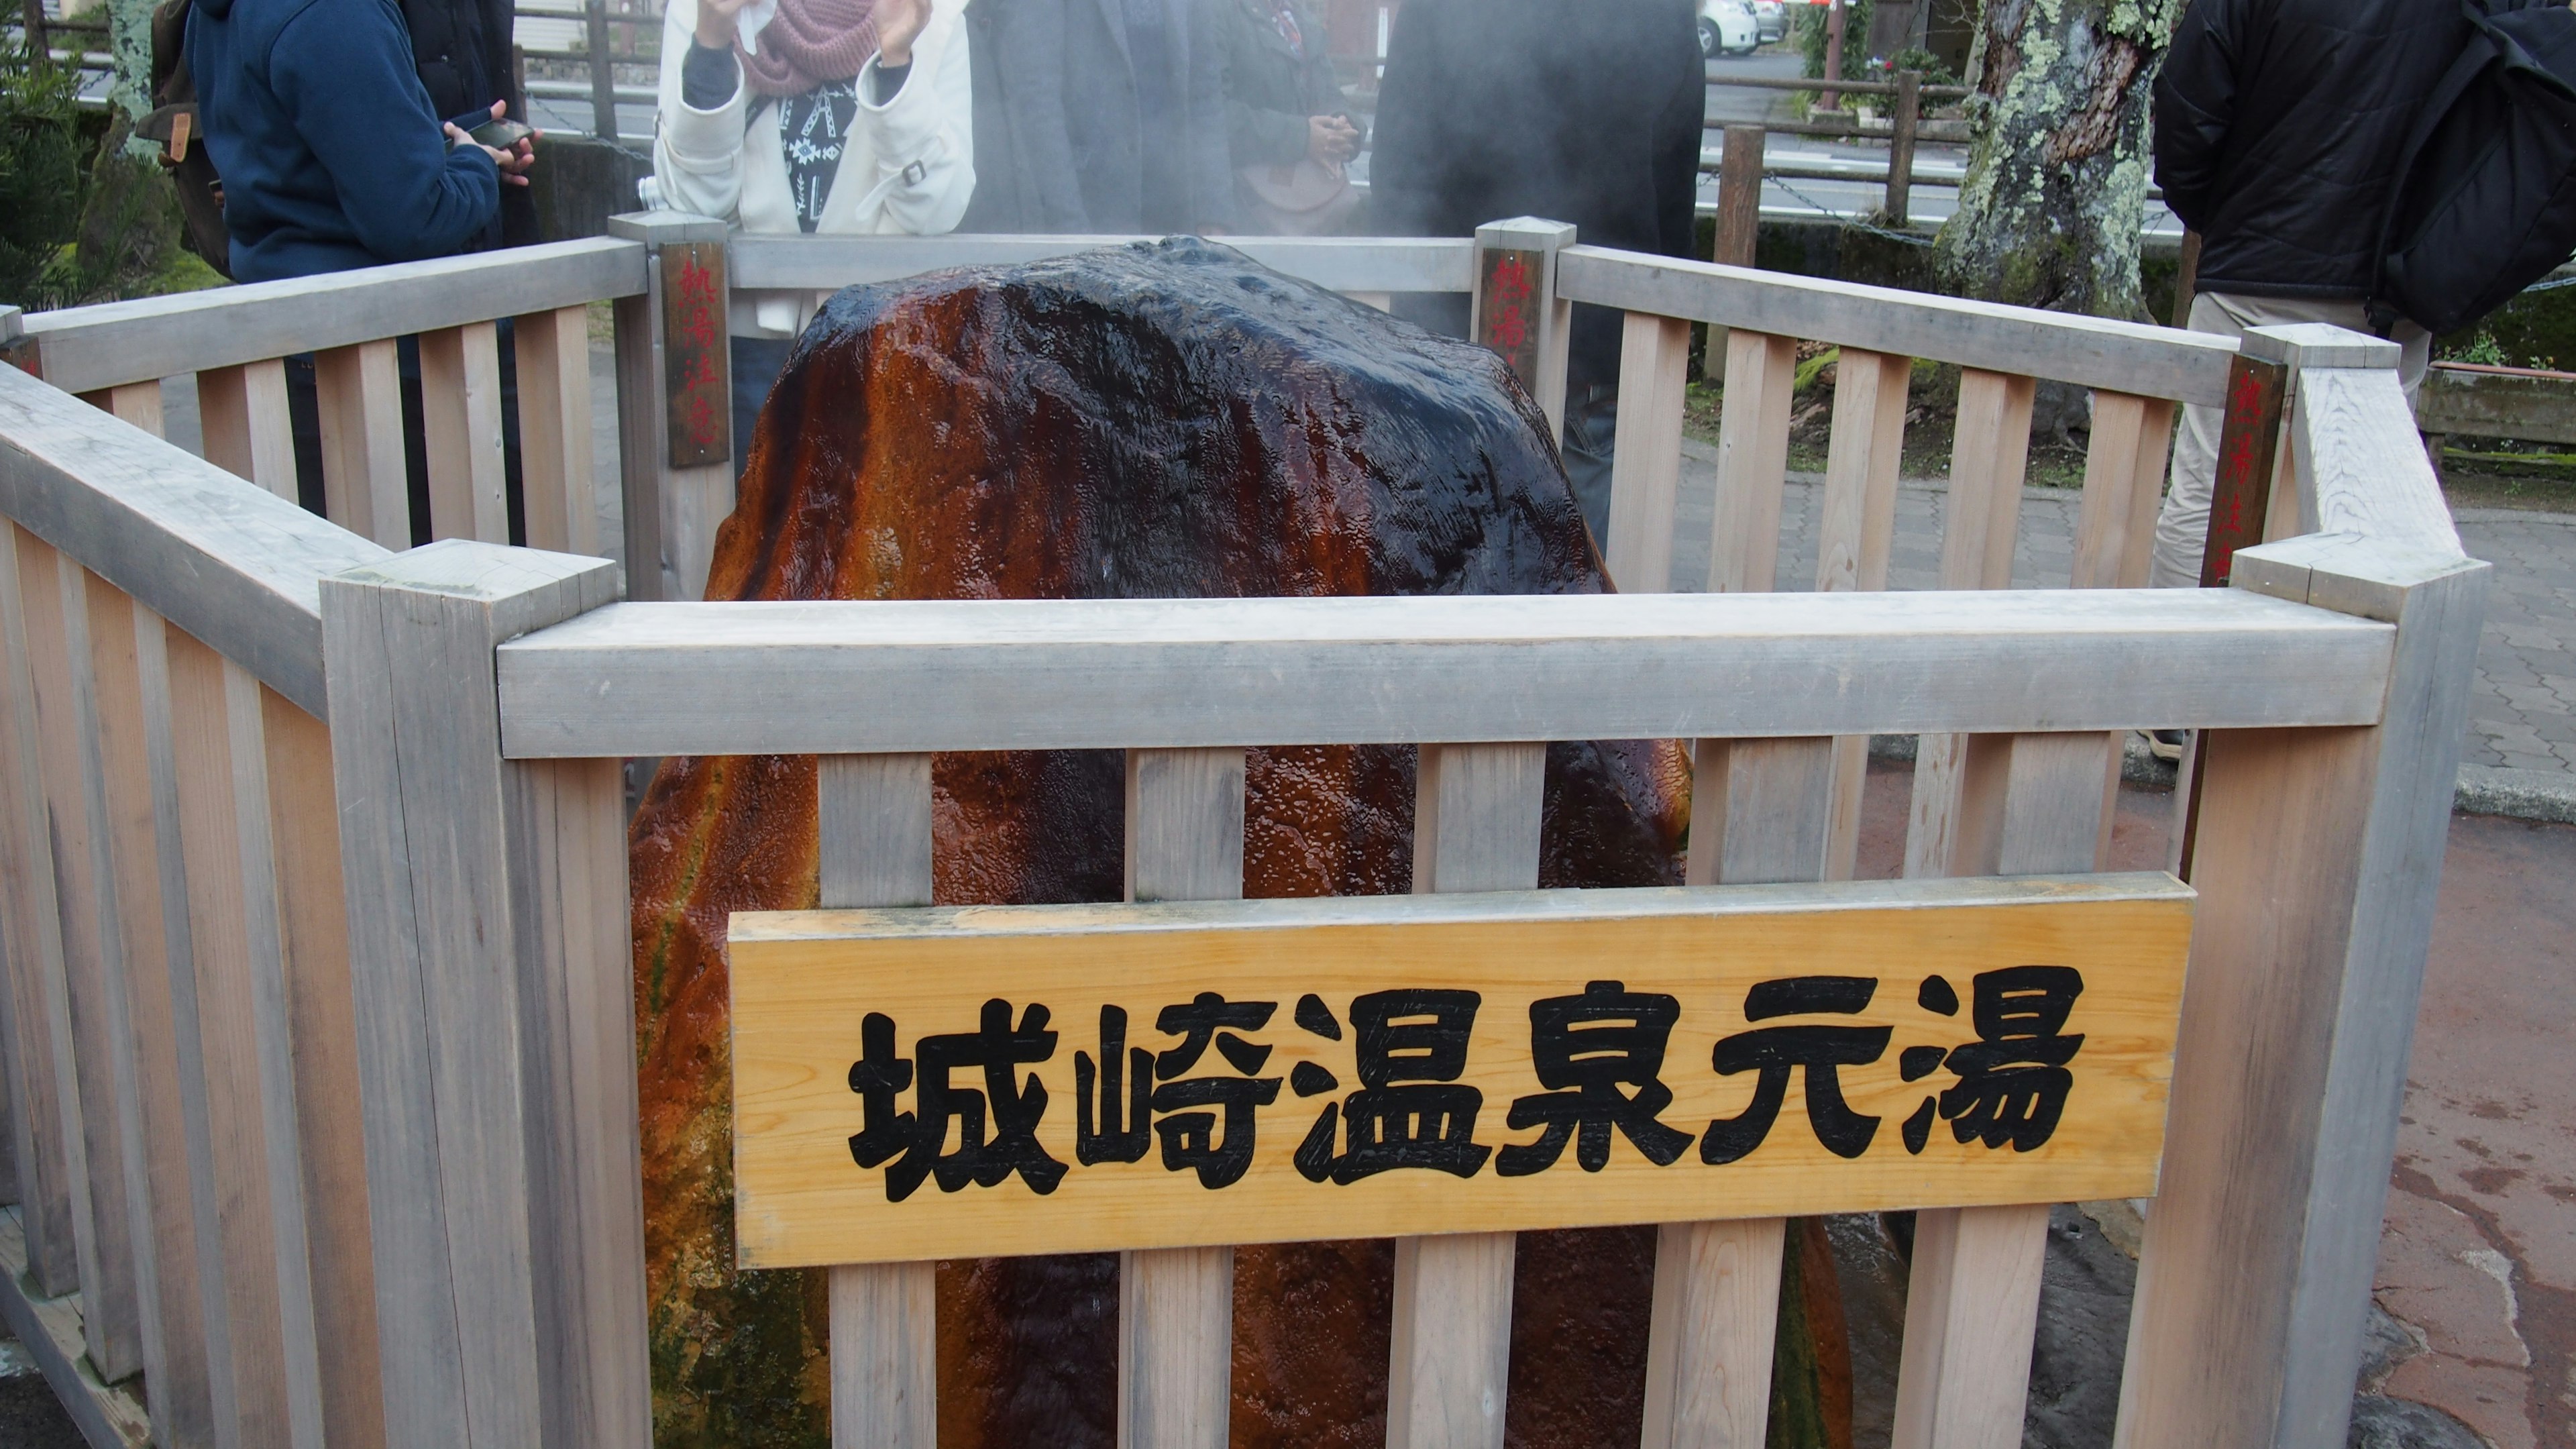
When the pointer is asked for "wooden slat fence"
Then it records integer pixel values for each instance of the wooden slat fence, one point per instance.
(317, 1024)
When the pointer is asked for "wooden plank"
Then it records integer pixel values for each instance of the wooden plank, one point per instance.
(671, 513)
(460, 405)
(2089, 351)
(1516, 310)
(1450, 1348)
(223, 559)
(1761, 811)
(665, 679)
(456, 1116)
(58, 665)
(578, 1040)
(365, 485)
(1752, 463)
(2320, 855)
(2354, 477)
(805, 982)
(873, 815)
(885, 1340)
(49, 1331)
(43, 1125)
(160, 1220)
(1176, 1306)
(1972, 1307)
(1336, 264)
(138, 403)
(1965, 1377)
(1709, 1344)
(2115, 534)
(268, 1368)
(1855, 537)
(243, 417)
(202, 1202)
(1858, 528)
(1952, 813)
(1477, 811)
(554, 430)
(314, 1087)
(1185, 825)
(1476, 817)
(120, 342)
(1981, 513)
(2124, 479)
(1646, 472)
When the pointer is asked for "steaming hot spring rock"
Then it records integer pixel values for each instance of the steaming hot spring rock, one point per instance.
(1158, 420)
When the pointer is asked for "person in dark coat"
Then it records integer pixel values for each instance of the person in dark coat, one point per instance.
(1584, 111)
(1099, 116)
(2279, 128)
(461, 50)
(1283, 104)
(331, 153)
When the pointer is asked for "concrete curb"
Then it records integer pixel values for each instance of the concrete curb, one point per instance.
(2542, 796)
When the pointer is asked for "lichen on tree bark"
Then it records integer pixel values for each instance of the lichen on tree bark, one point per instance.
(2057, 176)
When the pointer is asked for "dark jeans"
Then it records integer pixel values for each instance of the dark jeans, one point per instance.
(1591, 433)
(757, 362)
(304, 410)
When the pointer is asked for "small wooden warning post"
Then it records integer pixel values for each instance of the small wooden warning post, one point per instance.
(937, 1083)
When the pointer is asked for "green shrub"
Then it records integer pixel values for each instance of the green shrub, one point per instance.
(40, 172)
(1915, 57)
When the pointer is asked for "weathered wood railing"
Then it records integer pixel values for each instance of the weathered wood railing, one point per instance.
(320, 1084)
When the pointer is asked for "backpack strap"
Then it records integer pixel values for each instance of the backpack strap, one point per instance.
(2481, 52)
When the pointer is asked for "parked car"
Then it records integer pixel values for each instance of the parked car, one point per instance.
(1771, 20)
(1727, 27)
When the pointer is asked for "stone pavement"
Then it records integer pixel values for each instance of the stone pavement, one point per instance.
(2519, 757)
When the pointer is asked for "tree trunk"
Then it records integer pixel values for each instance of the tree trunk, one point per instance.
(2057, 177)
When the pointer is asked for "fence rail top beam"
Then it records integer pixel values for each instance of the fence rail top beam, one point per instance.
(1341, 264)
(800, 678)
(226, 560)
(2130, 357)
(86, 348)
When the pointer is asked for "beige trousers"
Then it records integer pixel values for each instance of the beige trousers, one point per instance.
(2182, 530)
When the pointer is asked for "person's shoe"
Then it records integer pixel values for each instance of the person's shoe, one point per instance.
(2167, 745)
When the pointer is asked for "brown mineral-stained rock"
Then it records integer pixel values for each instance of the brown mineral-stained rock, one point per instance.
(1161, 420)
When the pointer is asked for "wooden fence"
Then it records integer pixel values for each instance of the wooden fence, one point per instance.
(318, 1022)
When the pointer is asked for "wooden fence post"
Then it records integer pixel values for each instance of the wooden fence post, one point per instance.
(674, 403)
(1739, 225)
(1900, 148)
(603, 75)
(1517, 311)
(2320, 855)
(489, 965)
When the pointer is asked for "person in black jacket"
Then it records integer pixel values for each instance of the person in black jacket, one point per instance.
(1099, 116)
(1584, 111)
(461, 48)
(2278, 130)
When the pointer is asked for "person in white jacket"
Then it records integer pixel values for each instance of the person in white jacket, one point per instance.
(843, 117)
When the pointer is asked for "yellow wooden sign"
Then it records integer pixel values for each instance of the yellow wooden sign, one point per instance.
(975, 1082)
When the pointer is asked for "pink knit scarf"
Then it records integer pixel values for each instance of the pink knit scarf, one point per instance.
(810, 43)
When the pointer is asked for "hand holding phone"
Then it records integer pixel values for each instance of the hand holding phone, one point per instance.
(512, 146)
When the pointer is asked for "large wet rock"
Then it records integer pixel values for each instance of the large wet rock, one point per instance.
(1162, 420)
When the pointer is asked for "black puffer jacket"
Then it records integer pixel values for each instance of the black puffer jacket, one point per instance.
(2278, 128)
(462, 50)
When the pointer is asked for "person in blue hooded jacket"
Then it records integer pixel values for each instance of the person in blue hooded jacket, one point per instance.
(331, 155)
